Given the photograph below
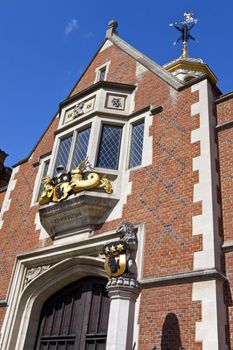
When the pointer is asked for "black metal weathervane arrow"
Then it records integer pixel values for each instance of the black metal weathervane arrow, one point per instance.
(184, 28)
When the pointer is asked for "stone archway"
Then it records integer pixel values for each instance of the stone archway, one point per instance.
(23, 319)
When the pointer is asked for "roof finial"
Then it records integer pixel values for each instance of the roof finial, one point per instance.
(112, 27)
(185, 27)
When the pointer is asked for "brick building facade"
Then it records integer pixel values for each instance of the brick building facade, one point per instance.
(163, 136)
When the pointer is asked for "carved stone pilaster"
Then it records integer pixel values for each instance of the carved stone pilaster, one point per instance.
(122, 283)
(123, 292)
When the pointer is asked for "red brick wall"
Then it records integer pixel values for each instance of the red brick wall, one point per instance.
(122, 68)
(167, 318)
(162, 194)
(228, 291)
(18, 232)
(225, 144)
(2, 195)
(225, 111)
(2, 315)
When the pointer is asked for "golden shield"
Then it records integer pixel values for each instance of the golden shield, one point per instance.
(61, 191)
(115, 263)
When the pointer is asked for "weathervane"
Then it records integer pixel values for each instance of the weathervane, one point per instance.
(185, 27)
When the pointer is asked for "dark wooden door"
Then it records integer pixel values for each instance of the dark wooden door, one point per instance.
(75, 318)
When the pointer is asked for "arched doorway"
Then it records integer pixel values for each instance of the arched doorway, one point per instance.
(75, 318)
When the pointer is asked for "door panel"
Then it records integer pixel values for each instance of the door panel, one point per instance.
(75, 318)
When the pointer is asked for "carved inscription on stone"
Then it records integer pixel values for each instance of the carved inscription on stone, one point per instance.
(67, 217)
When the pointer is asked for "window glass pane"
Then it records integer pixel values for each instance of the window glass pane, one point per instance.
(136, 148)
(45, 171)
(109, 150)
(102, 72)
(63, 153)
(80, 148)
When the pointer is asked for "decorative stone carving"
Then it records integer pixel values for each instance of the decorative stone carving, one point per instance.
(121, 255)
(123, 281)
(79, 109)
(35, 272)
(116, 101)
(123, 287)
(128, 235)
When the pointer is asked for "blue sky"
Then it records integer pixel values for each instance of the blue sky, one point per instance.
(45, 45)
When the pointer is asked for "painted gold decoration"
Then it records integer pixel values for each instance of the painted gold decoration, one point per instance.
(115, 263)
(121, 255)
(192, 66)
(64, 184)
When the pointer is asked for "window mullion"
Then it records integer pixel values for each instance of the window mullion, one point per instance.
(75, 134)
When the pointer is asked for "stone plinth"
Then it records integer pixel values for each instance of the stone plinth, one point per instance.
(123, 292)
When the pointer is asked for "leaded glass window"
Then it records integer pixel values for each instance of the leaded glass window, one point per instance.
(136, 148)
(80, 148)
(44, 173)
(73, 149)
(63, 152)
(109, 149)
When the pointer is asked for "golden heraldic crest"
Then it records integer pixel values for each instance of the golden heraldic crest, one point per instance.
(65, 183)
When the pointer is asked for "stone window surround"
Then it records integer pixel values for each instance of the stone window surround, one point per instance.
(120, 177)
(42, 162)
(100, 98)
(96, 123)
(64, 264)
(98, 69)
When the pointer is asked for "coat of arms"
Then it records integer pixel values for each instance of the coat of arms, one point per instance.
(121, 255)
(66, 183)
(115, 263)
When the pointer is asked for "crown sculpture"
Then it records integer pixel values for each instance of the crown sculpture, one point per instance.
(66, 183)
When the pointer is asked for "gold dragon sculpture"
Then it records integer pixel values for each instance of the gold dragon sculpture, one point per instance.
(58, 188)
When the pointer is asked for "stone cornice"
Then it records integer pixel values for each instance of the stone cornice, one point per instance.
(96, 86)
(181, 278)
(225, 125)
(227, 246)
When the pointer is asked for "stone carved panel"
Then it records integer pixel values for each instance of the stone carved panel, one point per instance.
(115, 101)
(34, 272)
(79, 109)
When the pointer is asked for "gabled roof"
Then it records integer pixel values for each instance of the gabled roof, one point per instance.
(144, 60)
(148, 63)
(135, 54)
